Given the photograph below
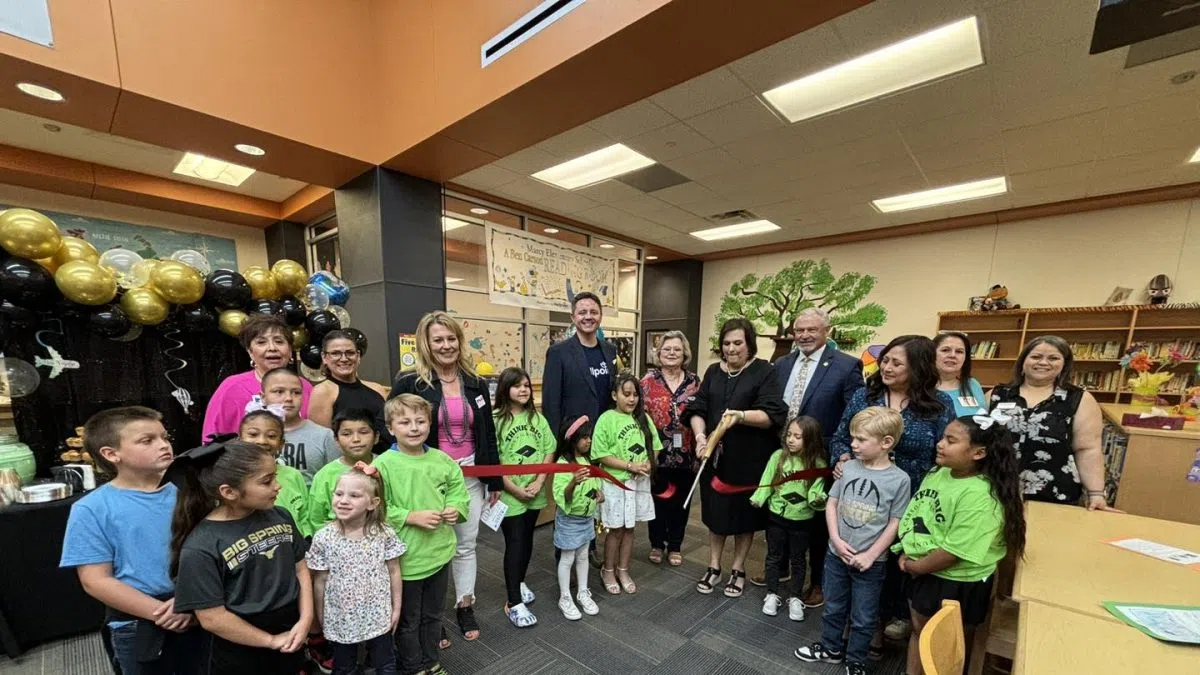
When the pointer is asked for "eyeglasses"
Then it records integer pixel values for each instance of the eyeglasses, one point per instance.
(348, 354)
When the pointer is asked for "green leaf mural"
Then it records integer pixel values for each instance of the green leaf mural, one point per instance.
(773, 300)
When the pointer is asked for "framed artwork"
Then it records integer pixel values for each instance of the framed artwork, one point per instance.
(653, 340)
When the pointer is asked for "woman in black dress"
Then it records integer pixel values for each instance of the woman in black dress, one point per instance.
(344, 389)
(746, 389)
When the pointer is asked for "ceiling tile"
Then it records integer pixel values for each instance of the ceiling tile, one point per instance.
(966, 173)
(971, 90)
(1050, 144)
(652, 209)
(575, 143)
(770, 145)
(705, 163)
(1158, 160)
(710, 206)
(632, 120)
(961, 154)
(793, 58)
(1035, 181)
(530, 191)
(1152, 80)
(488, 177)
(609, 191)
(735, 121)
(1021, 26)
(1051, 193)
(1125, 182)
(885, 22)
(684, 194)
(951, 130)
(1184, 139)
(669, 142)
(1181, 109)
(1026, 108)
(528, 161)
(1054, 68)
(701, 94)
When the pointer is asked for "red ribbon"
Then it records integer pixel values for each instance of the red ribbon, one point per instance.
(494, 470)
(726, 489)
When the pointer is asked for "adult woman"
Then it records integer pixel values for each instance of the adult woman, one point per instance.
(1056, 426)
(668, 389)
(343, 390)
(267, 339)
(745, 389)
(462, 427)
(953, 354)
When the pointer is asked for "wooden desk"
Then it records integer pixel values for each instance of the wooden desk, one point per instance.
(1068, 564)
(1152, 476)
(1053, 641)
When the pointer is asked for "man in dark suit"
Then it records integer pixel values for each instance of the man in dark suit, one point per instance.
(817, 381)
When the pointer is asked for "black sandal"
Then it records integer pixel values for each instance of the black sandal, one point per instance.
(444, 643)
(467, 622)
(733, 589)
(708, 582)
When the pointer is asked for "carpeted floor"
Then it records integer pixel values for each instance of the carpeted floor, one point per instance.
(666, 628)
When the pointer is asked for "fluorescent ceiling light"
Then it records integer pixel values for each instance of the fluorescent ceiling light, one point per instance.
(962, 192)
(449, 223)
(631, 268)
(925, 57)
(480, 211)
(738, 230)
(453, 280)
(607, 246)
(594, 167)
(38, 91)
(196, 165)
(250, 149)
(1195, 158)
(551, 230)
(651, 257)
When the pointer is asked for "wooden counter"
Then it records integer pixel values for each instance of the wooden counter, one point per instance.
(1152, 478)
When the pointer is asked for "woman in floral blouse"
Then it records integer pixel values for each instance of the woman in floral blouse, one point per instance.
(668, 389)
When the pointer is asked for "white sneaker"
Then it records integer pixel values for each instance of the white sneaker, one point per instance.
(795, 609)
(897, 630)
(527, 596)
(520, 616)
(771, 604)
(569, 610)
(587, 603)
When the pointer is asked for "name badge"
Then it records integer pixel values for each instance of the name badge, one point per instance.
(968, 402)
(479, 402)
(677, 441)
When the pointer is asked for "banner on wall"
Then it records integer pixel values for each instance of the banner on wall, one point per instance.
(529, 270)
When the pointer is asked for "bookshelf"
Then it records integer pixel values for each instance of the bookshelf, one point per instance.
(1098, 337)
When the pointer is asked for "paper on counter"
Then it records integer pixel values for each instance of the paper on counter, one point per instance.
(1164, 552)
(1170, 623)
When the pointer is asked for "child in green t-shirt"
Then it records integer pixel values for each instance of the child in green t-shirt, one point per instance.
(966, 516)
(524, 437)
(263, 428)
(627, 444)
(792, 506)
(577, 495)
(356, 435)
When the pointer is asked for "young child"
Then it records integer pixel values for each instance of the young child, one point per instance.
(967, 515)
(792, 505)
(265, 429)
(426, 496)
(118, 540)
(355, 562)
(863, 514)
(307, 446)
(577, 496)
(626, 443)
(356, 435)
(524, 437)
(238, 560)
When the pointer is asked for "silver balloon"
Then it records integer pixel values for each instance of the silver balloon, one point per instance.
(134, 332)
(313, 375)
(315, 299)
(194, 258)
(342, 315)
(127, 266)
(17, 378)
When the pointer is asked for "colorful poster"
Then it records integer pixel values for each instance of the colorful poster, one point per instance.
(494, 342)
(408, 352)
(529, 270)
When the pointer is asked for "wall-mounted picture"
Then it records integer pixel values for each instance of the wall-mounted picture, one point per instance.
(653, 340)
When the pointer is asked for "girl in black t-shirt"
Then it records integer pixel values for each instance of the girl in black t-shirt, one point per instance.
(239, 565)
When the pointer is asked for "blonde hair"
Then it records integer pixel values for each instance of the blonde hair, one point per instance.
(406, 401)
(877, 422)
(425, 353)
(674, 335)
(376, 518)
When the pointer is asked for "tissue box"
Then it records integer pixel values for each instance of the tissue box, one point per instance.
(1168, 423)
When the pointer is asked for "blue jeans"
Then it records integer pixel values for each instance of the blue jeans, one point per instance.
(848, 591)
(381, 650)
(183, 653)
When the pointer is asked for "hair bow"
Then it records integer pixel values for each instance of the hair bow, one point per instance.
(986, 421)
(256, 404)
(363, 467)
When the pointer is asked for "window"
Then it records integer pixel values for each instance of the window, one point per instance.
(324, 251)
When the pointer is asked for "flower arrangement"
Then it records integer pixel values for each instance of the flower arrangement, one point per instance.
(1152, 373)
(1189, 407)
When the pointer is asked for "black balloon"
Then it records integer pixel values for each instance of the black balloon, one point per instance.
(17, 317)
(360, 340)
(226, 289)
(293, 310)
(197, 318)
(264, 306)
(318, 324)
(310, 355)
(27, 284)
(109, 321)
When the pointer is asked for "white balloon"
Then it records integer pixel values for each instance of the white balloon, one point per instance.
(194, 258)
(315, 298)
(126, 267)
(342, 315)
(18, 378)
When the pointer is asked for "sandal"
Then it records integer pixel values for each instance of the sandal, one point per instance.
(708, 582)
(445, 642)
(467, 623)
(656, 556)
(733, 589)
(612, 587)
(519, 615)
(627, 586)
(674, 559)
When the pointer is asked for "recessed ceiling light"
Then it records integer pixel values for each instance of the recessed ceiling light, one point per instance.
(480, 211)
(949, 194)
(738, 230)
(925, 57)
(631, 268)
(52, 128)
(38, 91)
(651, 257)
(453, 280)
(594, 167)
(607, 246)
(551, 230)
(215, 170)
(1195, 157)
(250, 149)
(449, 223)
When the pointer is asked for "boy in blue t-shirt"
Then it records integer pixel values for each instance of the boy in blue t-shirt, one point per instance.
(118, 540)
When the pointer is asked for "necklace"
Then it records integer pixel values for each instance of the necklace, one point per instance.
(446, 422)
(448, 380)
(732, 374)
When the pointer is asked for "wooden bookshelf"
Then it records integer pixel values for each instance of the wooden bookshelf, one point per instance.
(1082, 327)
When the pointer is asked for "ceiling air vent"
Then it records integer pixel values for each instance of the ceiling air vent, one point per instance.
(524, 28)
(733, 217)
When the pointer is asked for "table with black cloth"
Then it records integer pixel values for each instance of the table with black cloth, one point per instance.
(39, 601)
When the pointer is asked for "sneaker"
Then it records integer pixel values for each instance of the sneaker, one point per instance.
(795, 609)
(761, 579)
(527, 595)
(320, 653)
(814, 597)
(520, 616)
(898, 630)
(816, 653)
(771, 604)
(587, 603)
(856, 669)
(569, 610)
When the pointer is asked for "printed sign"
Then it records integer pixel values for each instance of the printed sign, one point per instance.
(529, 270)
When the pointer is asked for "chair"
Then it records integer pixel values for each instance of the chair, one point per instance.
(942, 646)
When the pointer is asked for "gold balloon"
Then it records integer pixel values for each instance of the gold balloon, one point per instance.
(86, 283)
(49, 263)
(178, 283)
(230, 322)
(262, 283)
(144, 306)
(299, 337)
(29, 234)
(290, 276)
(74, 248)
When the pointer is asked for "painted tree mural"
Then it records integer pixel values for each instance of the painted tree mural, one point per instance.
(773, 300)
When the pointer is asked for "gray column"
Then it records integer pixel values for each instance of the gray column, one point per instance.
(671, 301)
(285, 241)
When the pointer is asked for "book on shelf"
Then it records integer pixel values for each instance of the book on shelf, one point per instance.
(984, 349)
(1177, 384)
(1161, 350)
(1093, 380)
(1096, 351)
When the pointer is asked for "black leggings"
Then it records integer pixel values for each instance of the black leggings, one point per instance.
(518, 549)
(818, 546)
(670, 517)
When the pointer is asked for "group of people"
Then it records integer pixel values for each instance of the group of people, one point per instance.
(335, 517)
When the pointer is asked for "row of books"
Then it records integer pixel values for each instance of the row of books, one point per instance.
(984, 349)
(1096, 380)
(1160, 350)
(1177, 384)
(1092, 351)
